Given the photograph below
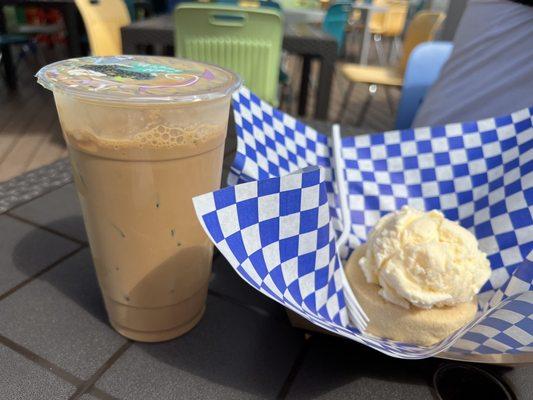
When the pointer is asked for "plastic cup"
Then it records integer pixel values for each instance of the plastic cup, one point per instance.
(145, 135)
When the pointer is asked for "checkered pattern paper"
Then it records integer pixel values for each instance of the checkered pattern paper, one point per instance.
(277, 234)
(277, 224)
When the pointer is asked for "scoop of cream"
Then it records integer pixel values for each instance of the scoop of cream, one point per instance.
(424, 259)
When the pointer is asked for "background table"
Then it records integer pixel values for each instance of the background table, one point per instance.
(305, 40)
(303, 15)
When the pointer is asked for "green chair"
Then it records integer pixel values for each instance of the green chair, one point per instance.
(300, 4)
(245, 40)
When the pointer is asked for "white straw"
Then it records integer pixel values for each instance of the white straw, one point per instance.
(359, 317)
(341, 185)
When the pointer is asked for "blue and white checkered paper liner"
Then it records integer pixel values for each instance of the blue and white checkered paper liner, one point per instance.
(277, 225)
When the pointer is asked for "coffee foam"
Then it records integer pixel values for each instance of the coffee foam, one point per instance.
(158, 137)
(162, 136)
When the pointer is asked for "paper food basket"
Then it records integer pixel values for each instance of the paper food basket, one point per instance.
(278, 222)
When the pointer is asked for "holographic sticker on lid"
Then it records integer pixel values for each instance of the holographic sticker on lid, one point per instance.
(138, 79)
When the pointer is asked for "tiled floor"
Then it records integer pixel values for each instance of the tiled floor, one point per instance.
(65, 325)
(21, 371)
(57, 343)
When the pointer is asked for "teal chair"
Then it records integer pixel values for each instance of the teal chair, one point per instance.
(139, 9)
(245, 40)
(423, 69)
(335, 22)
(272, 4)
(131, 9)
(300, 4)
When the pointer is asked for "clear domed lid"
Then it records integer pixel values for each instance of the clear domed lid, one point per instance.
(138, 79)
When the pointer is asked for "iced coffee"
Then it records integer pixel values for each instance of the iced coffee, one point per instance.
(145, 135)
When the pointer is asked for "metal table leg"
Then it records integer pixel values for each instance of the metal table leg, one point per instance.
(9, 67)
(304, 85)
(70, 14)
(365, 47)
(7, 57)
(128, 44)
(327, 68)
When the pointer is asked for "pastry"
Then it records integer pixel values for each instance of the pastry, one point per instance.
(417, 276)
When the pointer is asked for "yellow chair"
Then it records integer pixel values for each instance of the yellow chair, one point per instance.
(422, 28)
(388, 24)
(103, 20)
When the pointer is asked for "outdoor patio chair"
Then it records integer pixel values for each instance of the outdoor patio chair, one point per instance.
(335, 22)
(270, 3)
(300, 4)
(103, 20)
(254, 3)
(388, 24)
(139, 9)
(422, 28)
(423, 68)
(245, 40)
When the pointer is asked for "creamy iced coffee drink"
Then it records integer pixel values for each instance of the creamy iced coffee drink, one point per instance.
(145, 135)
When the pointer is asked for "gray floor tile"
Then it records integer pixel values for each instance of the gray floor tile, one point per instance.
(23, 380)
(59, 210)
(88, 396)
(25, 250)
(232, 353)
(336, 368)
(227, 282)
(97, 394)
(61, 317)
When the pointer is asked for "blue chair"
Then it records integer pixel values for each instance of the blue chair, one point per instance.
(423, 68)
(335, 22)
